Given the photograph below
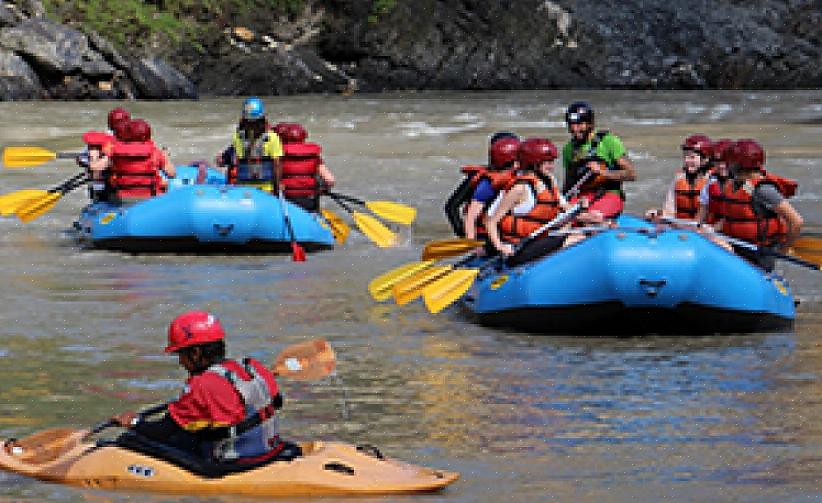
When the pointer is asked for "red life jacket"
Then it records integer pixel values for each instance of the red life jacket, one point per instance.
(514, 228)
(300, 164)
(686, 196)
(499, 181)
(135, 170)
(742, 222)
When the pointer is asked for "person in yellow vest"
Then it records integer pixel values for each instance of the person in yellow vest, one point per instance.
(254, 156)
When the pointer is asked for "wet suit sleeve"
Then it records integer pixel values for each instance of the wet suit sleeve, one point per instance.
(767, 196)
(227, 157)
(159, 430)
(454, 204)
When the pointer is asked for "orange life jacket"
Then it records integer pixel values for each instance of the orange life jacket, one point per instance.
(300, 164)
(135, 170)
(499, 181)
(741, 219)
(686, 196)
(514, 228)
(716, 201)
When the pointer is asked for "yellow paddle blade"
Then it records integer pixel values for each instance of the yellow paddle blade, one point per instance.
(380, 287)
(24, 157)
(9, 203)
(339, 228)
(449, 248)
(410, 288)
(808, 244)
(374, 230)
(395, 212)
(448, 289)
(38, 207)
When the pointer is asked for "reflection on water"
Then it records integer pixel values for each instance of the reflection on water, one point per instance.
(523, 417)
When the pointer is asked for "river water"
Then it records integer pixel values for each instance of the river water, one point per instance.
(523, 417)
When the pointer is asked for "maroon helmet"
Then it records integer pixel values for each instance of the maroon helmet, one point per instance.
(535, 151)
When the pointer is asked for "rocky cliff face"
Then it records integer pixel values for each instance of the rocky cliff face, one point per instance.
(350, 45)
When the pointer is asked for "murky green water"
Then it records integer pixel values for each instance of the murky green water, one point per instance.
(524, 418)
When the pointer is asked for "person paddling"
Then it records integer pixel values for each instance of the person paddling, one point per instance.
(96, 157)
(254, 156)
(304, 173)
(530, 200)
(756, 207)
(136, 163)
(600, 152)
(227, 410)
(711, 201)
(467, 205)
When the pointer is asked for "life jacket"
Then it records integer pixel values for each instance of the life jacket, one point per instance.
(252, 163)
(514, 228)
(716, 200)
(300, 164)
(258, 433)
(475, 173)
(135, 170)
(749, 222)
(578, 168)
(686, 195)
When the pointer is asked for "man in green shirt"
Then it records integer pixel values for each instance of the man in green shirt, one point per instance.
(596, 163)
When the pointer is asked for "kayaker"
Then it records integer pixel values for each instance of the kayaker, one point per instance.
(600, 152)
(756, 206)
(136, 164)
(305, 174)
(531, 199)
(227, 410)
(254, 156)
(711, 201)
(682, 198)
(95, 157)
(467, 204)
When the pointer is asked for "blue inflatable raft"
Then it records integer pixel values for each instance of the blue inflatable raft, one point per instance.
(634, 279)
(200, 214)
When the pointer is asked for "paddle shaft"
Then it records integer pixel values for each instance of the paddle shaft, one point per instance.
(297, 254)
(743, 244)
(351, 199)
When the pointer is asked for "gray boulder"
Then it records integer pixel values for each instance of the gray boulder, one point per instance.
(55, 48)
(154, 78)
(17, 79)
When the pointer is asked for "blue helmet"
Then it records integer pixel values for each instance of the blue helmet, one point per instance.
(253, 108)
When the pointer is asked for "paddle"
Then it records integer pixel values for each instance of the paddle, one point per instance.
(373, 229)
(25, 157)
(297, 252)
(389, 210)
(9, 203)
(36, 208)
(444, 248)
(448, 289)
(339, 228)
(809, 260)
(380, 287)
(310, 360)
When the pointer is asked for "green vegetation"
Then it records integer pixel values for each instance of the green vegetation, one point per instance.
(139, 24)
(380, 8)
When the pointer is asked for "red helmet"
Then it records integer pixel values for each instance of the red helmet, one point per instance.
(698, 143)
(192, 329)
(534, 151)
(280, 128)
(503, 152)
(721, 149)
(116, 116)
(120, 130)
(294, 133)
(748, 154)
(138, 130)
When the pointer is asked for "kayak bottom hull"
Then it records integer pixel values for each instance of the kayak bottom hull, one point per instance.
(614, 318)
(194, 245)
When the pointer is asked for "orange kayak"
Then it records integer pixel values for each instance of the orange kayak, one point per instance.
(324, 468)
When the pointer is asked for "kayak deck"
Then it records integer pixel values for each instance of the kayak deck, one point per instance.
(325, 468)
